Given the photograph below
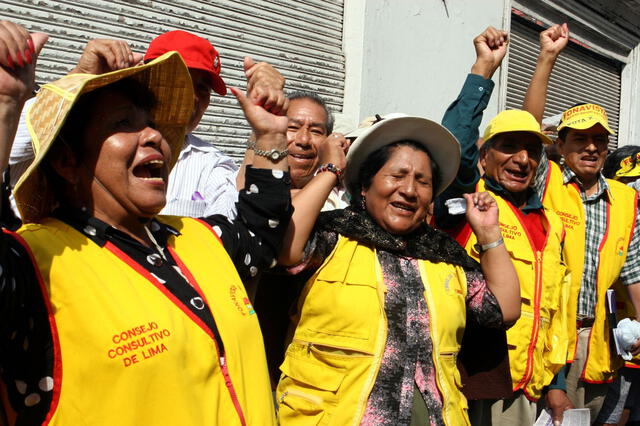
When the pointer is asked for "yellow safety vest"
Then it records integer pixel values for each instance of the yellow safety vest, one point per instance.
(127, 352)
(331, 365)
(537, 341)
(565, 200)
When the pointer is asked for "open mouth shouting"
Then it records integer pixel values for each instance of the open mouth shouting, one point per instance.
(517, 175)
(151, 170)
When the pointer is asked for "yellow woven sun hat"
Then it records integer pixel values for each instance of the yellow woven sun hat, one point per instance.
(584, 117)
(515, 120)
(167, 77)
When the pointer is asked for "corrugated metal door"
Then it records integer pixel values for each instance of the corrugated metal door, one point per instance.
(578, 76)
(301, 38)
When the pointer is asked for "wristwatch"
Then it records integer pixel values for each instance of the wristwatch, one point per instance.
(481, 248)
(272, 154)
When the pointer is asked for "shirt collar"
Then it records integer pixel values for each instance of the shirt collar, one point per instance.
(533, 201)
(569, 176)
(192, 142)
(100, 232)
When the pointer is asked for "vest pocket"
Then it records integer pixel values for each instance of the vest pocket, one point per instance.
(452, 381)
(341, 310)
(449, 360)
(307, 391)
(298, 407)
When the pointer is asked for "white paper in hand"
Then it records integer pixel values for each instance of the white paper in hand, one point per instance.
(573, 417)
(456, 206)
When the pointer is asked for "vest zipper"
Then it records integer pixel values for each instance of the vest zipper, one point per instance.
(597, 318)
(435, 349)
(528, 372)
(381, 340)
(224, 369)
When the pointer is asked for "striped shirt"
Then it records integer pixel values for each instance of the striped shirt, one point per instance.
(202, 183)
(21, 152)
(595, 227)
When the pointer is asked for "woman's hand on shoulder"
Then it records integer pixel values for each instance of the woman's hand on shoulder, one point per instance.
(19, 51)
(482, 215)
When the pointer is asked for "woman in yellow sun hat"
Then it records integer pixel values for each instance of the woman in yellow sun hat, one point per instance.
(110, 314)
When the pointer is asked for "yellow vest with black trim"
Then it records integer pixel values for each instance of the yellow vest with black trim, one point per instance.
(128, 353)
(332, 363)
(565, 200)
(537, 341)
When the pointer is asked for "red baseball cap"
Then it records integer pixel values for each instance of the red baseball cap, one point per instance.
(196, 52)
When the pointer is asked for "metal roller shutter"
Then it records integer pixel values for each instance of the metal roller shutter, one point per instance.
(301, 38)
(578, 76)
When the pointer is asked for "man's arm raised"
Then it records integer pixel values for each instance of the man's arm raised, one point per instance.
(464, 115)
(552, 41)
(491, 47)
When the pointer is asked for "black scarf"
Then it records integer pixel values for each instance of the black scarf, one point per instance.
(423, 243)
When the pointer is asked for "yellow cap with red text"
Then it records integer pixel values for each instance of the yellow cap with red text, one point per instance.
(629, 167)
(585, 116)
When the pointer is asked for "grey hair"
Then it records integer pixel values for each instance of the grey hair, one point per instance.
(304, 94)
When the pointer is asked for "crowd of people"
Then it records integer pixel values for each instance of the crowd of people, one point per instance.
(404, 272)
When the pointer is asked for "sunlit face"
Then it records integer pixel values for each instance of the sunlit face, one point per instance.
(201, 96)
(585, 151)
(400, 193)
(306, 131)
(128, 157)
(511, 160)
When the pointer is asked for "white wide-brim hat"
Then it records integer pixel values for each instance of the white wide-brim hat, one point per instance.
(443, 147)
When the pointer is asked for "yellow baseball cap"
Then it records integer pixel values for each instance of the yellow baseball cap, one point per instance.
(584, 117)
(627, 168)
(515, 120)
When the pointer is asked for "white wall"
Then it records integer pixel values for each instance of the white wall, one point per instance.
(409, 56)
(629, 131)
